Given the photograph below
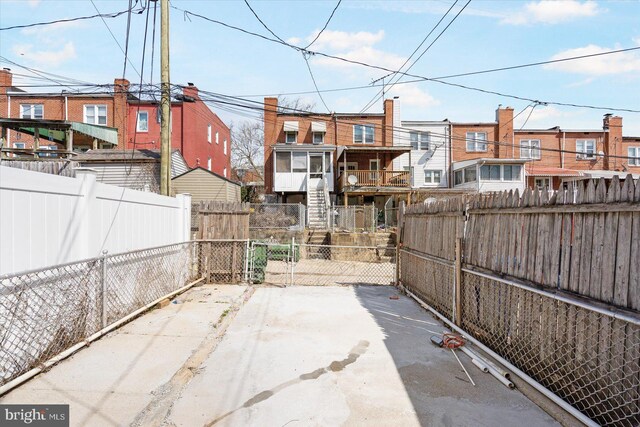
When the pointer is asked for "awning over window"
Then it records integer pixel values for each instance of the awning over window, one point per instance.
(101, 133)
(318, 127)
(291, 126)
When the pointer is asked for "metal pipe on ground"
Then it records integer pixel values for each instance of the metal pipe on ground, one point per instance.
(533, 383)
(489, 364)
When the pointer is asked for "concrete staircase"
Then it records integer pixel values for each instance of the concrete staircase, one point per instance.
(316, 209)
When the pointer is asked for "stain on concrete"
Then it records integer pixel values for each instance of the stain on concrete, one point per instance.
(335, 366)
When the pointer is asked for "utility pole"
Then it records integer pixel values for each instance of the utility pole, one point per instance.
(165, 102)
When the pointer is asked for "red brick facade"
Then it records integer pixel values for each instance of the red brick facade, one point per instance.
(339, 131)
(191, 119)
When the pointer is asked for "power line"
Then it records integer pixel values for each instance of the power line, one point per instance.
(126, 42)
(325, 25)
(418, 77)
(262, 22)
(58, 21)
(306, 61)
(368, 105)
(114, 37)
(153, 39)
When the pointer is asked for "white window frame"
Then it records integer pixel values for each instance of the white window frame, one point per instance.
(16, 144)
(364, 134)
(530, 149)
(422, 140)
(138, 129)
(313, 138)
(209, 164)
(49, 148)
(546, 182)
(294, 140)
(582, 152)
(224, 147)
(225, 172)
(96, 115)
(351, 166)
(32, 111)
(431, 174)
(634, 156)
(472, 137)
(209, 134)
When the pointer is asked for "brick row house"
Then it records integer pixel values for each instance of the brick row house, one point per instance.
(372, 158)
(113, 120)
(338, 158)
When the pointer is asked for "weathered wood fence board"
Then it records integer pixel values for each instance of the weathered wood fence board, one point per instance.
(220, 220)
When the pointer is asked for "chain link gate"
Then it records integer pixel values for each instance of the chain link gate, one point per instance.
(287, 264)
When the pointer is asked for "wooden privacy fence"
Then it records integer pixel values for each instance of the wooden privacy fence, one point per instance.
(548, 281)
(220, 220)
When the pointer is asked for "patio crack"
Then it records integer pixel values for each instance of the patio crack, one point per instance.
(335, 366)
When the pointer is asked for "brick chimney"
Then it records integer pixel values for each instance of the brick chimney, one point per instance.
(387, 123)
(270, 138)
(504, 133)
(612, 126)
(120, 109)
(6, 80)
(190, 90)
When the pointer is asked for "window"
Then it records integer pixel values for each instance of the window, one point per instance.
(143, 121)
(543, 183)
(490, 172)
(95, 114)
(209, 163)
(470, 174)
(351, 166)
(586, 149)
(634, 156)
(225, 147)
(419, 140)
(363, 134)
(530, 149)
(318, 138)
(432, 176)
(511, 172)
(327, 162)
(457, 177)
(476, 141)
(19, 145)
(217, 138)
(283, 162)
(50, 148)
(209, 134)
(291, 137)
(31, 111)
(224, 173)
(299, 162)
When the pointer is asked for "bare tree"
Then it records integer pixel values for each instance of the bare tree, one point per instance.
(295, 105)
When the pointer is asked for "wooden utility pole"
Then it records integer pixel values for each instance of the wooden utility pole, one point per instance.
(165, 102)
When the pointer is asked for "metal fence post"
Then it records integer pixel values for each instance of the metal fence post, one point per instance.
(103, 280)
(457, 307)
(246, 262)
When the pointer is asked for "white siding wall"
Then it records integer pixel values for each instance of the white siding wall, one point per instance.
(48, 219)
(437, 158)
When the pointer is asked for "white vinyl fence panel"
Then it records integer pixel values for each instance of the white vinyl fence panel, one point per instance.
(47, 219)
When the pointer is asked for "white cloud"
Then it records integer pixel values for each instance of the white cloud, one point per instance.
(543, 117)
(617, 63)
(33, 3)
(52, 28)
(636, 40)
(294, 40)
(412, 95)
(342, 40)
(46, 58)
(552, 12)
(412, 7)
(365, 54)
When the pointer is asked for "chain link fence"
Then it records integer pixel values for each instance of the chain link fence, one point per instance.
(431, 278)
(391, 217)
(590, 358)
(45, 312)
(354, 218)
(288, 216)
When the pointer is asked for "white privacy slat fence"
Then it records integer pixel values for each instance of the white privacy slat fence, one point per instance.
(47, 219)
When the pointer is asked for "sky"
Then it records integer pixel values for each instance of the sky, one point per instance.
(485, 35)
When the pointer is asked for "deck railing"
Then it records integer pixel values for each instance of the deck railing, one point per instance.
(375, 178)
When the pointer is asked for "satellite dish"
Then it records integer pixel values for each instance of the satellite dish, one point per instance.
(352, 179)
